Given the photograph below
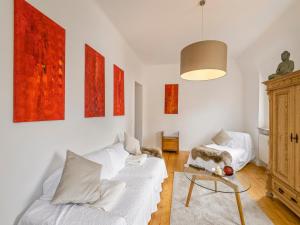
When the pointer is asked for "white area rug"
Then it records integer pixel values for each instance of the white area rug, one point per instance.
(209, 208)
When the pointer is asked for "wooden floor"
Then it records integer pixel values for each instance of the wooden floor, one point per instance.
(275, 210)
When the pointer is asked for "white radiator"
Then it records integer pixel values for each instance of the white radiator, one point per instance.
(263, 148)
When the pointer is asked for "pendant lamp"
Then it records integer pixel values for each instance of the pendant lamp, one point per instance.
(204, 60)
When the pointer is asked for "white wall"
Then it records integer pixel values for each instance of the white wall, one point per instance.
(30, 151)
(204, 106)
(261, 59)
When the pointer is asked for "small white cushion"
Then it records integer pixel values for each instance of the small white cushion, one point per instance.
(110, 192)
(50, 184)
(103, 157)
(132, 145)
(118, 156)
(80, 181)
(222, 138)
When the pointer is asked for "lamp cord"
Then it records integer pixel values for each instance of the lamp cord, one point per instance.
(202, 4)
(202, 25)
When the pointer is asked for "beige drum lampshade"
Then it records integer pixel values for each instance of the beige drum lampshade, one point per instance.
(204, 60)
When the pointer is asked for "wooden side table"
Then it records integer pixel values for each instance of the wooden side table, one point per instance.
(170, 143)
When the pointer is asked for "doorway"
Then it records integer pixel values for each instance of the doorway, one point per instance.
(138, 118)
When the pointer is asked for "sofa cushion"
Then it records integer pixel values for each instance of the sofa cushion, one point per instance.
(222, 138)
(118, 156)
(103, 157)
(110, 193)
(50, 184)
(132, 145)
(80, 181)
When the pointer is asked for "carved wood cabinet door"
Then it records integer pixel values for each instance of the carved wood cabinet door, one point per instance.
(283, 127)
(297, 140)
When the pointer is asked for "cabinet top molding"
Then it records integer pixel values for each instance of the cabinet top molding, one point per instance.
(287, 80)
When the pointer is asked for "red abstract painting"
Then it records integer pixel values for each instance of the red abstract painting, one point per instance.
(171, 99)
(119, 108)
(94, 83)
(39, 66)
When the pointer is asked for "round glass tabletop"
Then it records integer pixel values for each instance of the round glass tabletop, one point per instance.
(210, 181)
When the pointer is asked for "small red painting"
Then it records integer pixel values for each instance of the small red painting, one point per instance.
(171, 99)
(39, 66)
(94, 83)
(119, 108)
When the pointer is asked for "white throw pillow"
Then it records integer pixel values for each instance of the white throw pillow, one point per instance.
(110, 193)
(132, 145)
(50, 184)
(222, 138)
(80, 181)
(103, 157)
(118, 156)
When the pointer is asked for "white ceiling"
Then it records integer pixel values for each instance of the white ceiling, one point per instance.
(157, 30)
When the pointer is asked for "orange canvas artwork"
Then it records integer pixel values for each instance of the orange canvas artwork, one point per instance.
(94, 83)
(39, 66)
(171, 99)
(119, 101)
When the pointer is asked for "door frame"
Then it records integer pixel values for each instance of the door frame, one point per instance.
(138, 111)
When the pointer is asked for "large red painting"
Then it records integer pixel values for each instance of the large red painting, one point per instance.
(119, 108)
(94, 83)
(171, 99)
(39, 66)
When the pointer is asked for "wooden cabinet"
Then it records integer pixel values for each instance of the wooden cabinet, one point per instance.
(284, 162)
(170, 143)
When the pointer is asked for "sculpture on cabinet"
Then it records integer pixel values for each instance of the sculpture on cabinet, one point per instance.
(286, 66)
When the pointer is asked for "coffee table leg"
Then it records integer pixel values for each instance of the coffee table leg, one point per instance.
(216, 186)
(239, 204)
(190, 192)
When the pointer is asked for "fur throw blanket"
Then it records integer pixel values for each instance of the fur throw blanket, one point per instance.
(156, 152)
(207, 154)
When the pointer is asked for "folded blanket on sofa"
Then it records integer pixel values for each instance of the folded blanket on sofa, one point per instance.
(156, 152)
(207, 154)
(136, 160)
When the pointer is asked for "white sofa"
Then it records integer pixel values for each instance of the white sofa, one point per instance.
(134, 207)
(240, 148)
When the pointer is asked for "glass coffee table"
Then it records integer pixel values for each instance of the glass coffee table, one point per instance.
(222, 184)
